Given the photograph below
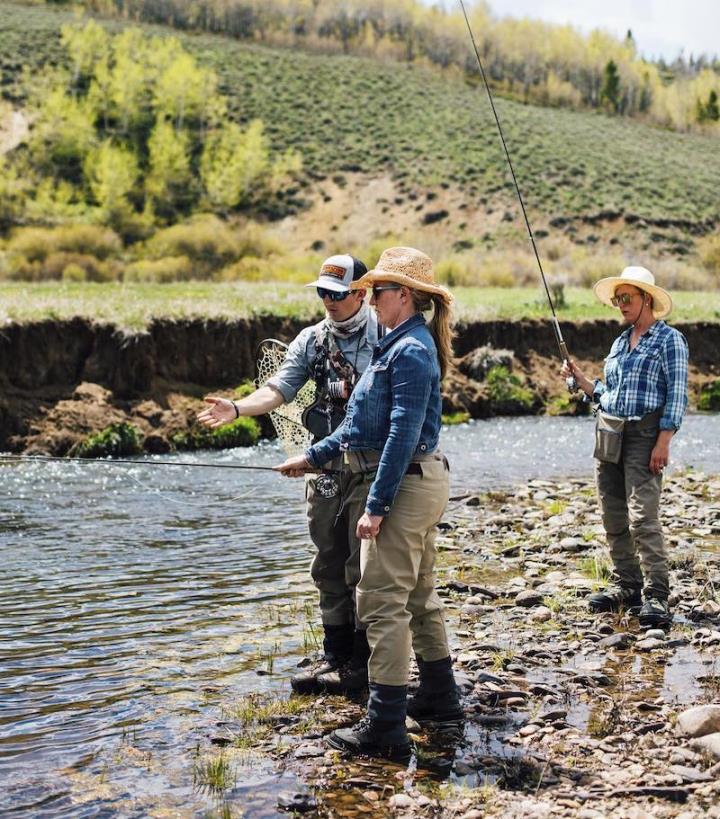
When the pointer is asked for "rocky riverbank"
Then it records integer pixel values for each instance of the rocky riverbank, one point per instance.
(567, 714)
(61, 382)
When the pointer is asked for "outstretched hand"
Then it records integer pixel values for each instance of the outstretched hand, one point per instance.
(295, 467)
(220, 412)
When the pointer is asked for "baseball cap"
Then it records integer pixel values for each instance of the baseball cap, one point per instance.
(337, 272)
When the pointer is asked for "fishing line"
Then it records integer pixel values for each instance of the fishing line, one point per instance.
(571, 383)
(163, 493)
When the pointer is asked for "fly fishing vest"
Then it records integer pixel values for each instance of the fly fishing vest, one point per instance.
(335, 377)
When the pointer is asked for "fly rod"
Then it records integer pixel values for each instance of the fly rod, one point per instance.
(122, 462)
(570, 381)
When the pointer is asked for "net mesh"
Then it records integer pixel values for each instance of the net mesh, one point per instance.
(287, 418)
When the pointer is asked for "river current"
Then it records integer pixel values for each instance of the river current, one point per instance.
(130, 596)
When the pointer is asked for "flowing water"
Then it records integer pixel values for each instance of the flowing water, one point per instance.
(131, 597)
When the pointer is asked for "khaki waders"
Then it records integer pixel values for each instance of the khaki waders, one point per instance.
(396, 597)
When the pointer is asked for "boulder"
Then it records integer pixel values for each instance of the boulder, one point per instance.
(700, 721)
(710, 743)
(478, 363)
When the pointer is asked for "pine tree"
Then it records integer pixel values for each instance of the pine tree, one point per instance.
(610, 90)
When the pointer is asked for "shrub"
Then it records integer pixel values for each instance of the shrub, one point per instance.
(709, 399)
(709, 250)
(453, 271)
(36, 244)
(241, 432)
(54, 266)
(73, 273)
(94, 240)
(115, 441)
(206, 240)
(453, 418)
(162, 271)
(31, 244)
(503, 386)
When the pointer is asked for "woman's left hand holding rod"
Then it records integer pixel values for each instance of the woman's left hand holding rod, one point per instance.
(295, 467)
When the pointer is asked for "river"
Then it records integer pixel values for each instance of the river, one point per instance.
(132, 596)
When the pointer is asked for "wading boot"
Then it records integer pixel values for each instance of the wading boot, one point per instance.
(437, 700)
(655, 613)
(337, 647)
(351, 678)
(615, 598)
(381, 733)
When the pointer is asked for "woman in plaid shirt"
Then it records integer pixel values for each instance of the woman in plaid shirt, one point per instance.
(645, 395)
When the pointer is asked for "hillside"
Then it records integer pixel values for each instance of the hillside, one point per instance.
(425, 145)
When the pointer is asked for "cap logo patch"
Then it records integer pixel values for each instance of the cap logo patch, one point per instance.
(333, 270)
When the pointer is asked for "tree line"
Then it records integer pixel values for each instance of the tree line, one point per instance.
(534, 61)
(133, 134)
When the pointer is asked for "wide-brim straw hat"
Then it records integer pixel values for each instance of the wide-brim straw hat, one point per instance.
(641, 278)
(406, 266)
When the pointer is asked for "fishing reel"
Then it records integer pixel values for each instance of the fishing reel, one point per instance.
(339, 390)
(572, 384)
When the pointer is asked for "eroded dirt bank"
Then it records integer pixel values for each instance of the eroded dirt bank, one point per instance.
(60, 381)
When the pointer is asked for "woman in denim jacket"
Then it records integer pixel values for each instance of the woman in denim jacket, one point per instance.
(391, 432)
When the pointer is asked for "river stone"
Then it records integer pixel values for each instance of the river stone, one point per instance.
(572, 544)
(655, 634)
(297, 802)
(486, 676)
(709, 743)
(650, 644)
(528, 599)
(541, 614)
(690, 774)
(619, 640)
(401, 801)
(699, 721)
(308, 749)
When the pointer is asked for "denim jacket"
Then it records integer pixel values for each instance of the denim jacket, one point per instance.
(395, 409)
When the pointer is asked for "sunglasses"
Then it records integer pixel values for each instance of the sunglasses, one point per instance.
(333, 295)
(623, 298)
(380, 287)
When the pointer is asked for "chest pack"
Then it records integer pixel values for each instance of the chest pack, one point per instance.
(335, 378)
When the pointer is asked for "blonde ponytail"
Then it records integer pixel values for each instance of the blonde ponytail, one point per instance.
(439, 325)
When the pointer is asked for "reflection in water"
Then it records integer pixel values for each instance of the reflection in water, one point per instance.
(131, 596)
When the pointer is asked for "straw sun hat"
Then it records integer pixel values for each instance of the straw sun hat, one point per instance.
(406, 266)
(641, 278)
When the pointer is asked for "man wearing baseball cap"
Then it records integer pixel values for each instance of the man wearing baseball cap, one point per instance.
(334, 353)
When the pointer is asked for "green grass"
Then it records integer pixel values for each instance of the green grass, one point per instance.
(431, 130)
(133, 306)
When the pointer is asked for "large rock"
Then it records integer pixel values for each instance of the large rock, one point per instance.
(710, 743)
(699, 721)
(478, 363)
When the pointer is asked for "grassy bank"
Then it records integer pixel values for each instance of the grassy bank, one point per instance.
(134, 305)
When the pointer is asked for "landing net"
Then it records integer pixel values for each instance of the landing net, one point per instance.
(287, 418)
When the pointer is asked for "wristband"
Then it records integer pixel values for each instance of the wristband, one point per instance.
(235, 407)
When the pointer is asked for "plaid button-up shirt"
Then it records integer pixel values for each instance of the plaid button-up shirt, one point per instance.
(652, 375)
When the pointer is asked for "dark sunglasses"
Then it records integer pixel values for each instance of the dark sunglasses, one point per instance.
(623, 298)
(380, 287)
(333, 295)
